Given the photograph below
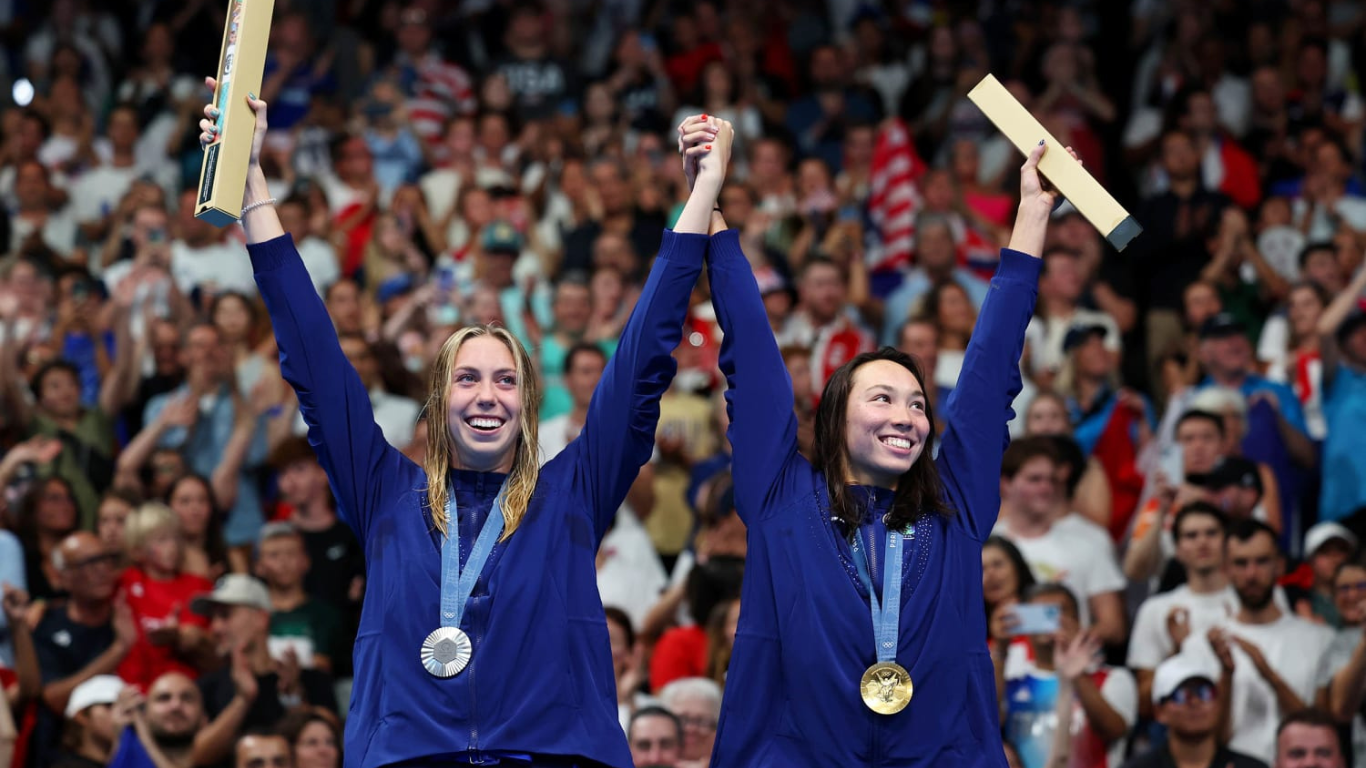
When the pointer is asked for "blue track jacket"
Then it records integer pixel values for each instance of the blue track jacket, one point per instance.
(540, 683)
(805, 635)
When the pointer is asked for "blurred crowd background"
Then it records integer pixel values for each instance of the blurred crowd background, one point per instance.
(1186, 485)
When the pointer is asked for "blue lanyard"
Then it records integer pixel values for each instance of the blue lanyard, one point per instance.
(458, 585)
(887, 616)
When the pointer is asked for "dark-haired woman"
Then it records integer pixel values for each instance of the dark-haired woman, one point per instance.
(872, 527)
(1006, 579)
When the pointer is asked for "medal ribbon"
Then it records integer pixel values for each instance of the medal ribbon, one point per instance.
(458, 585)
(887, 616)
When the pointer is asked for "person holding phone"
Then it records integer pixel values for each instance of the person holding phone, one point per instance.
(1059, 544)
(860, 633)
(482, 636)
(1065, 678)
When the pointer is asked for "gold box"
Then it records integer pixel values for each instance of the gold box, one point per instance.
(1071, 179)
(223, 175)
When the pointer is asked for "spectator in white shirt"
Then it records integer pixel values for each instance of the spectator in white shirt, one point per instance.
(1059, 545)
(1277, 660)
(395, 415)
(583, 366)
(96, 193)
(1176, 622)
(202, 258)
(1060, 289)
(318, 255)
(36, 224)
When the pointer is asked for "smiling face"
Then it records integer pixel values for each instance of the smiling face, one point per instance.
(484, 409)
(885, 425)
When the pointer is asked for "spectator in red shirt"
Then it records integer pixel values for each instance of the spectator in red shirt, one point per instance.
(170, 637)
(682, 651)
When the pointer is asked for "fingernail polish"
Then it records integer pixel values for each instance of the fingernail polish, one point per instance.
(215, 112)
(704, 117)
(707, 147)
(1041, 142)
(252, 96)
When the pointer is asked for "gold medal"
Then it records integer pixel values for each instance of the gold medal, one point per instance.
(886, 688)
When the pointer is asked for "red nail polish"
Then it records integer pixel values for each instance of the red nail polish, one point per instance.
(707, 147)
(704, 117)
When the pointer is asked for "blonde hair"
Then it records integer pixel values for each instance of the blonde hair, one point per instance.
(144, 522)
(521, 481)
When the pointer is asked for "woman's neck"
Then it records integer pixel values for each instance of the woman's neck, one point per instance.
(48, 541)
(157, 573)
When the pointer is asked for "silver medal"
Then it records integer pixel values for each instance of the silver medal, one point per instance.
(446, 652)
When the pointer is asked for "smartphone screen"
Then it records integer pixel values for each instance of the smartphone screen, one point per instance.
(1172, 464)
(1036, 619)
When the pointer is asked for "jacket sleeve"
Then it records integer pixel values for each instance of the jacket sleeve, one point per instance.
(618, 436)
(334, 403)
(759, 400)
(979, 407)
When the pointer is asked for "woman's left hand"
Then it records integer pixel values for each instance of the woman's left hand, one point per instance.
(1033, 185)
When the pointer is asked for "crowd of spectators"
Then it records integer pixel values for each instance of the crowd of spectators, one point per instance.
(1184, 496)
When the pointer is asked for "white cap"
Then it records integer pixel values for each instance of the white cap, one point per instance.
(1325, 532)
(1173, 672)
(234, 589)
(100, 689)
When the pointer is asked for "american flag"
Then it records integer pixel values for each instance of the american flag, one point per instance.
(894, 199)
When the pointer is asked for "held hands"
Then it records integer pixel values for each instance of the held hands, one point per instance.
(705, 141)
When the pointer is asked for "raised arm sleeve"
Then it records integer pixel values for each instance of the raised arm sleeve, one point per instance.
(618, 436)
(334, 403)
(979, 408)
(763, 424)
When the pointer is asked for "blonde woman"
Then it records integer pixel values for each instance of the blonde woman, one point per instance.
(482, 637)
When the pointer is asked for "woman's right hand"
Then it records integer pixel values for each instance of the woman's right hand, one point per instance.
(208, 127)
(1003, 621)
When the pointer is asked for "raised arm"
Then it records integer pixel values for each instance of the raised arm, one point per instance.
(619, 433)
(334, 402)
(979, 408)
(758, 390)
(1332, 318)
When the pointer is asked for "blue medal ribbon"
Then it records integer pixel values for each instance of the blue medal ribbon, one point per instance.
(457, 585)
(886, 612)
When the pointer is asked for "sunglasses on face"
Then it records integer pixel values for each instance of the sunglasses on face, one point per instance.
(1187, 694)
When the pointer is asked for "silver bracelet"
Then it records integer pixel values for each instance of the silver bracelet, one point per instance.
(249, 207)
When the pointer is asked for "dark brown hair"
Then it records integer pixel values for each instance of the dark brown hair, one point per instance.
(1024, 450)
(919, 491)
